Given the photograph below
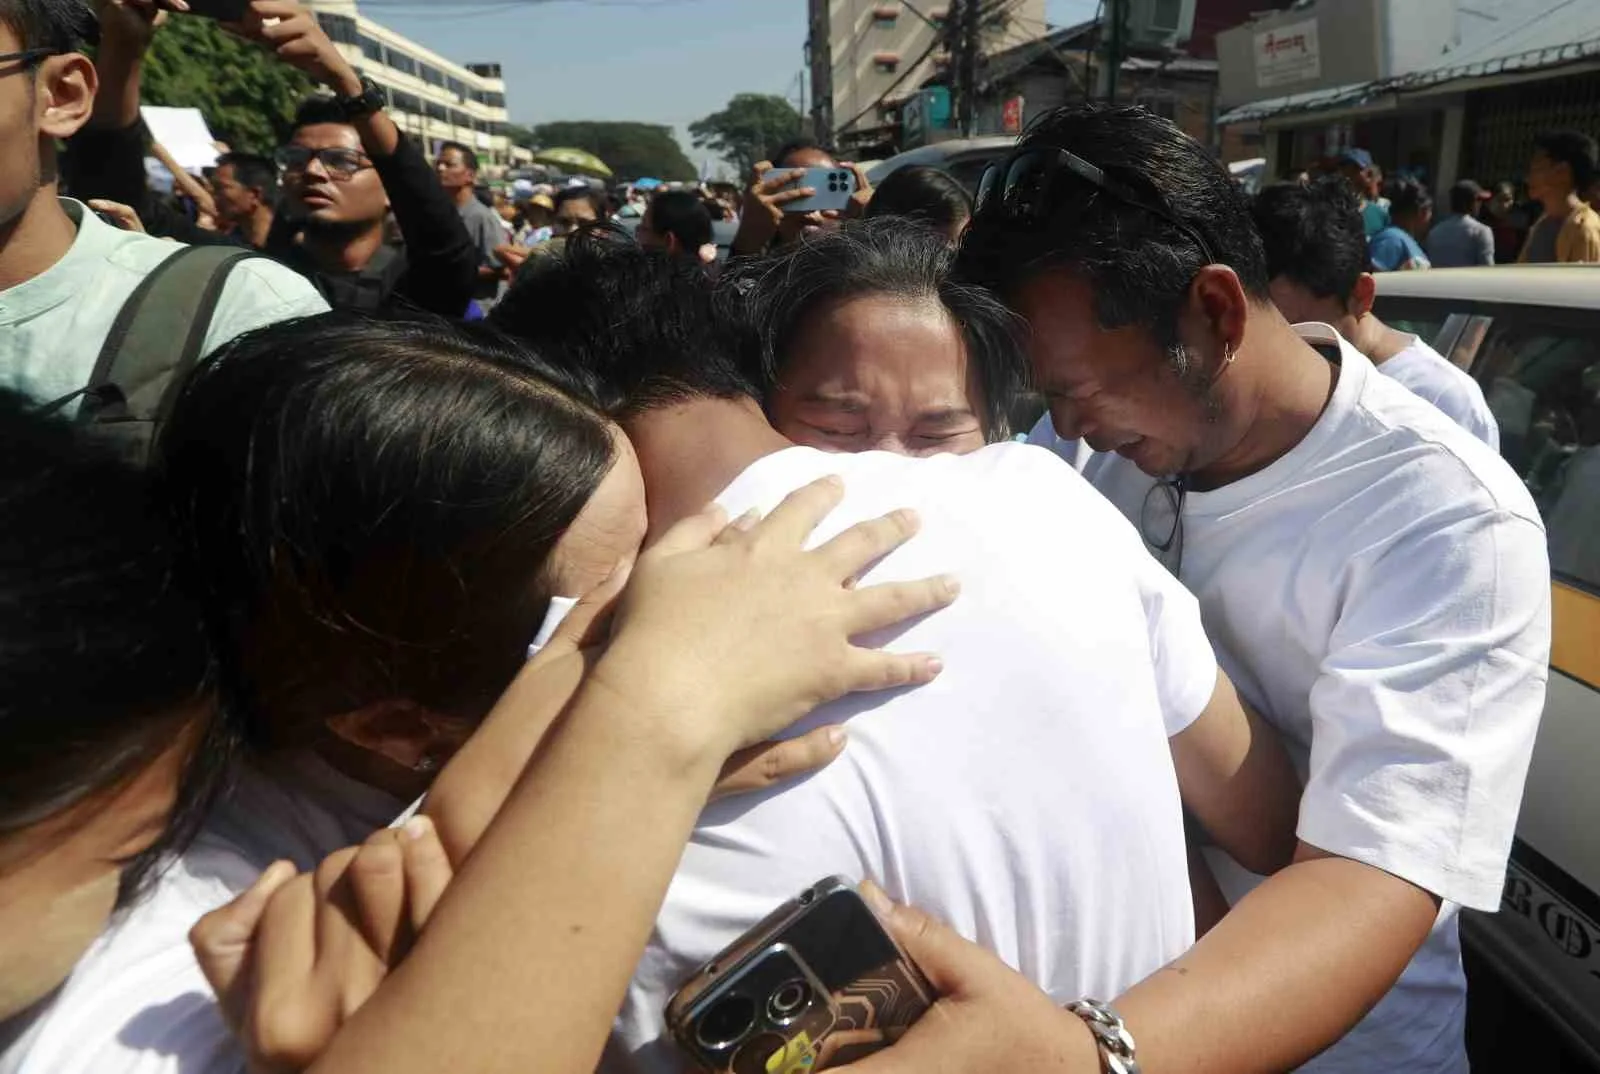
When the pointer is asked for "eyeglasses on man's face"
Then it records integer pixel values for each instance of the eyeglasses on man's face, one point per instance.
(26, 60)
(338, 162)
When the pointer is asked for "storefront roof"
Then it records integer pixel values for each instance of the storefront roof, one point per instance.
(1520, 36)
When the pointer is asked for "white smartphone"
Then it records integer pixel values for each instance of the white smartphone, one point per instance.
(833, 186)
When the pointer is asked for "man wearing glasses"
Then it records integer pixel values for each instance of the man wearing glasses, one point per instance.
(1373, 577)
(345, 167)
(64, 272)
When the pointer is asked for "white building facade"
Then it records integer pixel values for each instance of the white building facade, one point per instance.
(434, 99)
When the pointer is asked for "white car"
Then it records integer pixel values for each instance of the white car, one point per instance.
(1530, 335)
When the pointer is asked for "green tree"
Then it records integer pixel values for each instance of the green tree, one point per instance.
(247, 95)
(632, 150)
(522, 136)
(750, 127)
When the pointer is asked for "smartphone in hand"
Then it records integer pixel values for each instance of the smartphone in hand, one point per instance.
(834, 188)
(819, 983)
(221, 10)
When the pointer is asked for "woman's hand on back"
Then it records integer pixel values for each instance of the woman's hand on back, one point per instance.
(729, 634)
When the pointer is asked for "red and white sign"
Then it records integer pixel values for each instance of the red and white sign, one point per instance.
(1011, 116)
(1287, 55)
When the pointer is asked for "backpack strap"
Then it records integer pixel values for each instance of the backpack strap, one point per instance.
(155, 340)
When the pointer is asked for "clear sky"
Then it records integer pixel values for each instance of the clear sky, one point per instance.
(655, 61)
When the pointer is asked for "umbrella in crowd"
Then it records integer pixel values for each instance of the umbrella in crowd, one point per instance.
(574, 159)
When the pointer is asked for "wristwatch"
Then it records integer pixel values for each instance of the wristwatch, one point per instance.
(365, 103)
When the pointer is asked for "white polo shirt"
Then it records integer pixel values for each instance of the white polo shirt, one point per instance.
(1382, 595)
(1027, 796)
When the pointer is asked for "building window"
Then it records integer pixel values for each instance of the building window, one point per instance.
(371, 49)
(437, 111)
(405, 102)
(886, 62)
(400, 62)
(884, 16)
(461, 119)
(455, 86)
(341, 29)
(432, 75)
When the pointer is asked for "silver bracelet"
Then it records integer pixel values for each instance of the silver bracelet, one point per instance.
(1110, 1034)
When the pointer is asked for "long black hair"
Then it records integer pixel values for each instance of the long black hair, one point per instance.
(368, 506)
(778, 294)
(103, 659)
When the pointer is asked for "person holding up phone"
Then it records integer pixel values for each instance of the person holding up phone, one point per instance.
(769, 217)
(346, 166)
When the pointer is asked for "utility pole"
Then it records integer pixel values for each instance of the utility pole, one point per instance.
(1116, 45)
(819, 57)
(964, 30)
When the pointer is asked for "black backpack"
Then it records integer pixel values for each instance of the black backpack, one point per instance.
(152, 345)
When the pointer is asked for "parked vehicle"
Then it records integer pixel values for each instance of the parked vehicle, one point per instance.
(1530, 335)
(964, 158)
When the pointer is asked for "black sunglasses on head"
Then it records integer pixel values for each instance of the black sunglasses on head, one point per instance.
(1017, 189)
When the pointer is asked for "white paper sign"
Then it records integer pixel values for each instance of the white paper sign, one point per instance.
(1288, 54)
(183, 133)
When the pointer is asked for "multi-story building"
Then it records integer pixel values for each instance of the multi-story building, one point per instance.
(879, 53)
(430, 97)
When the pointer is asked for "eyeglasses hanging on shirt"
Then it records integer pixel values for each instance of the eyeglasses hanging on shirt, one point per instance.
(1161, 521)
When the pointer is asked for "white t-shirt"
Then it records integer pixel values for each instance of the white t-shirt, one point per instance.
(53, 326)
(1382, 595)
(1431, 376)
(137, 1002)
(1027, 796)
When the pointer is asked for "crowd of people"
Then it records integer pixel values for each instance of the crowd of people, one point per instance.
(1556, 223)
(387, 691)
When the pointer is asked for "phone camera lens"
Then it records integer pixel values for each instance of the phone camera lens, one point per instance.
(726, 1024)
(808, 896)
(788, 1000)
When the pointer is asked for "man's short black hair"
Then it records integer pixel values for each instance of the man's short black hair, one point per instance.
(1574, 149)
(1409, 197)
(1137, 262)
(1313, 235)
(596, 198)
(253, 172)
(684, 214)
(645, 329)
(59, 25)
(800, 145)
(468, 157)
(317, 111)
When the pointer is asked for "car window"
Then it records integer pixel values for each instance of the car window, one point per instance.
(1422, 317)
(1541, 376)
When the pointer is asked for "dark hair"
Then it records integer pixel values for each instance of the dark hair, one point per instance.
(1407, 197)
(799, 145)
(254, 172)
(782, 292)
(600, 201)
(1313, 235)
(1464, 197)
(684, 214)
(368, 507)
(317, 111)
(1574, 149)
(468, 157)
(60, 25)
(102, 651)
(1139, 265)
(647, 329)
(930, 195)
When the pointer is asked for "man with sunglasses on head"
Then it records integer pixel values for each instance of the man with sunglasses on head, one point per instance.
(1373, 577)
(65, 274)
(345, 166)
